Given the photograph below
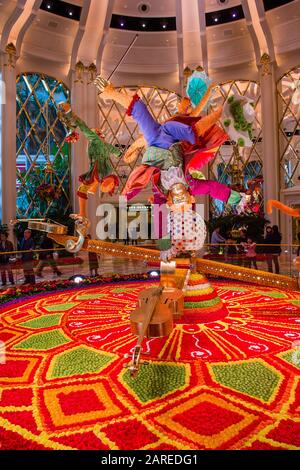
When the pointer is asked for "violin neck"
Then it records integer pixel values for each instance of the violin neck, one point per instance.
(150, 307)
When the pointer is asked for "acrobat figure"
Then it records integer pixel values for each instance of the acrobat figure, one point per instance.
(101, 172)
(186, 142)
(175, 152)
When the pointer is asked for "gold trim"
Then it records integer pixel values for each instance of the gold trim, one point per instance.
(265, 64)
(11, 52)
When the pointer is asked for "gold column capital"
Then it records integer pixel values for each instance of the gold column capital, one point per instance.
(79, 70)
(92, 71)
(265, 64)
(11, 52)
(187, 72)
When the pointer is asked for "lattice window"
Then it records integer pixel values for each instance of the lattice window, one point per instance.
(288, 91)
(121, 130)
(227, 162)
(42, 153)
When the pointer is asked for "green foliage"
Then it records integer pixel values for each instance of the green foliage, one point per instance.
(4, 228)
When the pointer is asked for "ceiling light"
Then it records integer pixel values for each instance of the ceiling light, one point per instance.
(216, 19)
(70, 13)
(234, 14)
(49, 6)
(144, 25)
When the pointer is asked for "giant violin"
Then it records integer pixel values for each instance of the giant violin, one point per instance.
(153, 318)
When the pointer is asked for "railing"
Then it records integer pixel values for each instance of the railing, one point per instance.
(57, 263)
(266, 256)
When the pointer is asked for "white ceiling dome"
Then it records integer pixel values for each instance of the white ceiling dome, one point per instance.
(51, 43)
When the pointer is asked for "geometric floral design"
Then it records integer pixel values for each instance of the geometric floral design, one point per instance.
(228, 383)
(78, 361)
(155, 381)
(43, 341)
(255, 378)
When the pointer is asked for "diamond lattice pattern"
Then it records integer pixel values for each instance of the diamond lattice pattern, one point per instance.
(288, 91)
(42, 153)
(250, 159)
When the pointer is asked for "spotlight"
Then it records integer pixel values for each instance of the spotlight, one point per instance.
(234, 14)
(77, 278)
(153, 273)
(164, 24)
(216, 19)
(122, 23)
(70, 13)
(49, 5)
(144, 25)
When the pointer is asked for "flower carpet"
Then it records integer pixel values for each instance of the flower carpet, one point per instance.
(232, 382)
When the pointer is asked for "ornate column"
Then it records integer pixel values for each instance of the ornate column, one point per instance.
(79, 160)
(269, 132)
(8, 134)
(84, 103)
(93, 121)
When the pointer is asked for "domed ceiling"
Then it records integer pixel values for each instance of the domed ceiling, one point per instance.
(226, 37)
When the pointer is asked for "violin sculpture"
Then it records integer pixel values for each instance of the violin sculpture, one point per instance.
(153, 318)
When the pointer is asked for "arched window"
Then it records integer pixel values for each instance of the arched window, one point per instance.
(232, 165)
(43, 163)
(288, 91)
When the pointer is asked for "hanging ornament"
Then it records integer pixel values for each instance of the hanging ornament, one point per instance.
(197, 86)
(238, 118)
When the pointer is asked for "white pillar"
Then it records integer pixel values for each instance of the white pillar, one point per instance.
(269, 133)
(79, 159)
(93, 122)
(8, 136)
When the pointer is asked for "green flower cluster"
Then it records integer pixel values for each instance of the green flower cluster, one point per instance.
(240, 123)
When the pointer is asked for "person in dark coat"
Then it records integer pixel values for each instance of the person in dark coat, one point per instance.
(27, 248)
(46, 257)
(93, 261)
(6, 246)
(272, 248)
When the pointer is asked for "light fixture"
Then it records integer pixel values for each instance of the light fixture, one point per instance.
(216, 19)
(77, 278)
(144, 25)
(70, 13)
(234, 14)
(153, 274)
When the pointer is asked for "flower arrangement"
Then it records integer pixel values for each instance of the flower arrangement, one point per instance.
(73, 137)
(48, 192)
(14, 293)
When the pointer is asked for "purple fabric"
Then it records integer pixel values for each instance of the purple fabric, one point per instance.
(213, 188)
(161, 135)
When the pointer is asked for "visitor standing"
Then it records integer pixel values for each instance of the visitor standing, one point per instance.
(216, 240)
(250, 253)
(46, 257)
(26, 247)
(272, 249)
(93, 261)
(6, 246)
